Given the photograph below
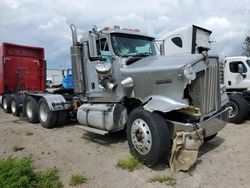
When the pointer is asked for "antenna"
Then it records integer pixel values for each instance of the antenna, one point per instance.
(145, 21)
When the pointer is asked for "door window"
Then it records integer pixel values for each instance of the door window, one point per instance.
(102, 45)
(237, 67)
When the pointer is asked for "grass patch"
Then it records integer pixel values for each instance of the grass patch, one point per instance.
(20, 173)
(130, 164)
(169, 180)
(77, 179)
(17, 148)
(28, 133)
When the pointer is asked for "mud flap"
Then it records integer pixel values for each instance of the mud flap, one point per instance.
(185, 149)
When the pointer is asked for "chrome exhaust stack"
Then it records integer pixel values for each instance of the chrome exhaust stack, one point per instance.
(74, 34)
(77, 63)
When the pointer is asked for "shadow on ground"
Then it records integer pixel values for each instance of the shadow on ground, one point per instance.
(106, 140)
(211, 145)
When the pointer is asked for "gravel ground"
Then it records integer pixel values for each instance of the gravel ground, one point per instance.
(222, 162)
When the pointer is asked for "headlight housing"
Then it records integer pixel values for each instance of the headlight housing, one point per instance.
(189, 72)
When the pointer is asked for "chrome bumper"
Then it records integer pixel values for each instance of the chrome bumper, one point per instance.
(211, 126)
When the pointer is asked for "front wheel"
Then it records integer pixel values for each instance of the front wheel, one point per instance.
(239, 109)
(148, 136)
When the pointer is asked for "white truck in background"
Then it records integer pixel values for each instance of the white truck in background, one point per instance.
(187, 40)
(54, 77)
(235, 74)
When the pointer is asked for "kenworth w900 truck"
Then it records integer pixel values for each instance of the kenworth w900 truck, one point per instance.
(167, 104)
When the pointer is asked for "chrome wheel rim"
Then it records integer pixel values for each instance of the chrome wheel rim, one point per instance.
(43, 112)
(141, 136)
(5, 104)
(13, 106)
(29, 109)
(234, 111)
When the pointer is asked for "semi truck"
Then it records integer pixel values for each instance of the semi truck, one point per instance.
(235, 73)
(22, 69)
(168, 105)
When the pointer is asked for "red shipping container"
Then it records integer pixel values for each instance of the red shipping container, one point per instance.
(22, 68)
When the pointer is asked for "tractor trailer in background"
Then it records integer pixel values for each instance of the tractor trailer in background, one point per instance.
(22, 69)
(120, 82)
(235, 73)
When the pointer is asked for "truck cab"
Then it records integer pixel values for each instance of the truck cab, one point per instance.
(237, 73)
(105, 53)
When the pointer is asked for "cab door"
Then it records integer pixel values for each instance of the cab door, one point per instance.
(237, 75)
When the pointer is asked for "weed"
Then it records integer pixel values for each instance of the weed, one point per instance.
(17, 148)
(131, 163)
(169, 180)
(29, 133)
(20, 173)
(77, 179)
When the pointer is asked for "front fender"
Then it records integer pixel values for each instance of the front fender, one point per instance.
(163, 104)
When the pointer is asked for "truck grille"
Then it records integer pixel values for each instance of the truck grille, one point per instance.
(205, 90)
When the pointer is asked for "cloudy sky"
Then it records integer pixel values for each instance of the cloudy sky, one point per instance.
(46, 22)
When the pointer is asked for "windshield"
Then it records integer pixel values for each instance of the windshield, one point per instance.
(132, 45)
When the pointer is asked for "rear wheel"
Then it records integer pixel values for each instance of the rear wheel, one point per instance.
(31, 109)
(6, 104)
(15, 101)
(148, 136)
(47, 117)
(14, 107)
(239, 109)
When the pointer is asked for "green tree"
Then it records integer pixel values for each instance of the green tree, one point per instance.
(247, 46)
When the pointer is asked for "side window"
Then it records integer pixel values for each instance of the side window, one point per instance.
(237, 67)
(102, 45)
(177, 41)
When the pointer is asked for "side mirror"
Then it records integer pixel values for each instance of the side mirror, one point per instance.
(241, 70)
(243, 75)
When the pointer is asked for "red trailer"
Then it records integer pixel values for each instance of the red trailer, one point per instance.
(22, 69)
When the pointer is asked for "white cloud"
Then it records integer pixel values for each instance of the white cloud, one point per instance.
(46, 23)
(218, 22)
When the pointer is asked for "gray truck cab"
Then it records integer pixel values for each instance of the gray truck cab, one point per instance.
(122, 83)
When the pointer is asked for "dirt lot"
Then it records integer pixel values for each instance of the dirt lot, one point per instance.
(222, 162)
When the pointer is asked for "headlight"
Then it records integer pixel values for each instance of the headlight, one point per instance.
(189, 72)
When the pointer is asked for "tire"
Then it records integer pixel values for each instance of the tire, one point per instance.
(206, 139)
(240, 109)
(61, 118)
(6, 103)
(151, 131)
(47, 118)
(31, 109)
(15, 109)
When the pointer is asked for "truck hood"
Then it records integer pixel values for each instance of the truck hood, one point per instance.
(154, 63)
(159, 79)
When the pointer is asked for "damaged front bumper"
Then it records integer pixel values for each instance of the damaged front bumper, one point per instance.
(188, 137)
(211, 126)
